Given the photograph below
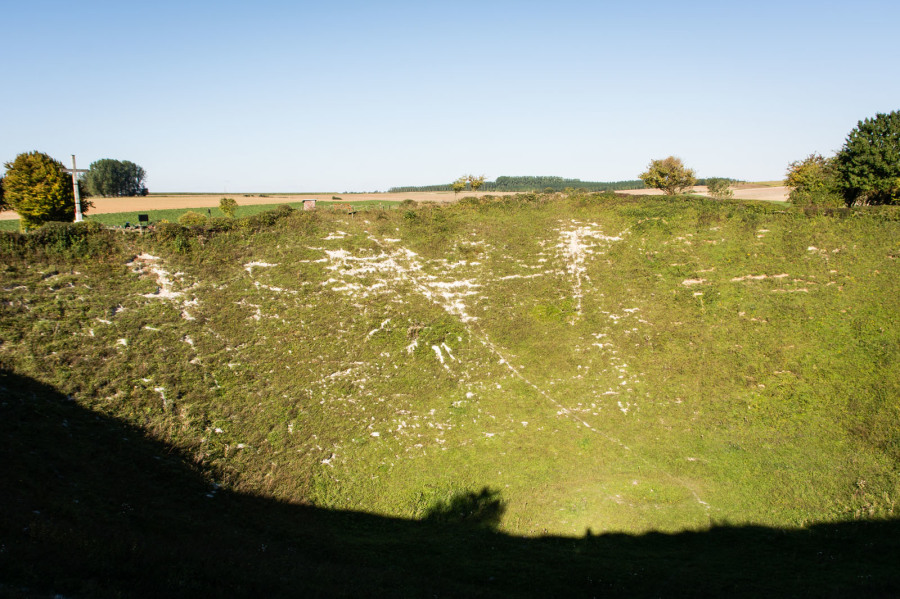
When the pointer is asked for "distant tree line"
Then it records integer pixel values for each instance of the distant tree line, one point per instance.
(523, 183)
(715, 181)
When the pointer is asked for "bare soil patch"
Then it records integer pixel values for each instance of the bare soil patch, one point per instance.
(768, 194)
(741, 192)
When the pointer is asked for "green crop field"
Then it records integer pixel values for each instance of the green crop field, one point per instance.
(120, 219)
(528, 396)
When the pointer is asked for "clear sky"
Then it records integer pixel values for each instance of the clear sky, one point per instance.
(361, 96)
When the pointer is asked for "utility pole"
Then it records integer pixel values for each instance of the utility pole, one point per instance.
(74, 172)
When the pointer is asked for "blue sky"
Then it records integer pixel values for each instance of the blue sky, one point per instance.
(361, 96)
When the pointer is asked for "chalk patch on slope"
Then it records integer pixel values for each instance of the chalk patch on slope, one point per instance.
(575, 245)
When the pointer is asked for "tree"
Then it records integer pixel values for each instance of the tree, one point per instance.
(668, 174)
(475, 182)
(111, 178)
(38, 188)
(868, 165)
(3, 205)
(813, 181)
(458, 185)
(228, 206)
(719, 188)
(83, 190)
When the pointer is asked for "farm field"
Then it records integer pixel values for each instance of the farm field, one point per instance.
(594, 394)
(211, 200)
(743, 191)
(172, 205)
(171, 215)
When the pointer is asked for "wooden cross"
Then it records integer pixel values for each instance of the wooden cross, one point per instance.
(74, 172)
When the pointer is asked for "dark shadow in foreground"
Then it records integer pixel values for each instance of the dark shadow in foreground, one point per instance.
(90, 507)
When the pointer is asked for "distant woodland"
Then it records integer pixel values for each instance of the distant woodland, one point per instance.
(534, 184)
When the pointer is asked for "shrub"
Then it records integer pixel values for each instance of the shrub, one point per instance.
(178, 237)
(191, 218)
(57, 239)
(471, 202)
(813, 182)
(265, 219)
(719, 188)
(668, 174)
(70, 239)
(228, 206)
(217, 224)
(166, 231)
(283, 211)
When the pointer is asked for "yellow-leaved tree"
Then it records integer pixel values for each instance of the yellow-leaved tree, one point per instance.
(38, 188)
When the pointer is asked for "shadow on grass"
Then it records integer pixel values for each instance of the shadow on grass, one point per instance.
(468, 508)
(90, 507)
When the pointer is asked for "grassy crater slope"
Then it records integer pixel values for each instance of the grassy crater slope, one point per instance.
(590, 363)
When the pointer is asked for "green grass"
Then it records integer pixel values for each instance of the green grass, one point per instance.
(119, 219)
(95, 507)
(619, 365)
